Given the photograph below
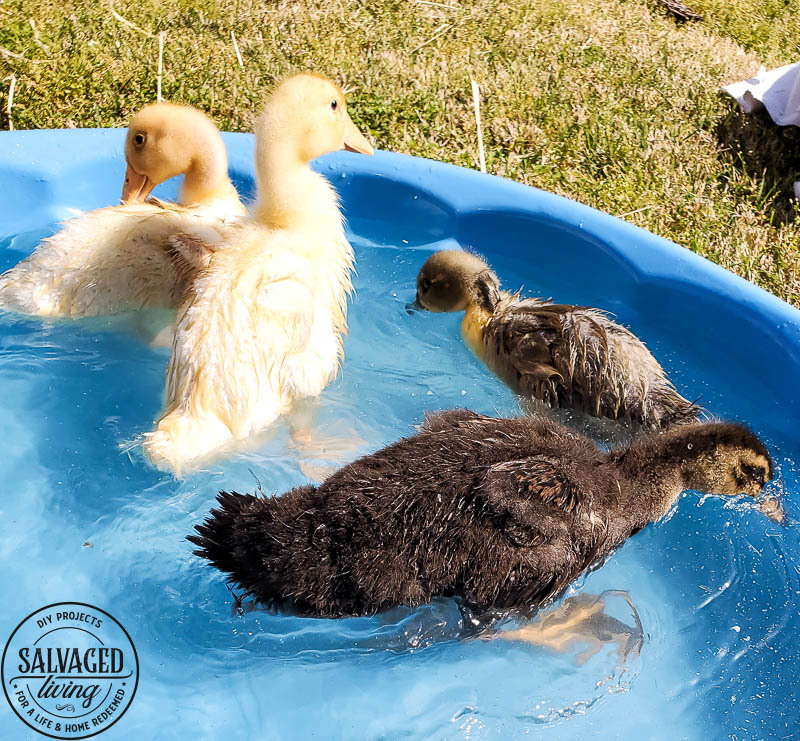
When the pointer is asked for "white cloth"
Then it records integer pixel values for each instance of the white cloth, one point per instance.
(777, 90)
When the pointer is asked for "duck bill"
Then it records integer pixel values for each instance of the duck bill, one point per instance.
(354, 140)
(136, 187)
(414, 306)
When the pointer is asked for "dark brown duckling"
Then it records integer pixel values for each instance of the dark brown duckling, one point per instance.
(567, 357)
(501, 513)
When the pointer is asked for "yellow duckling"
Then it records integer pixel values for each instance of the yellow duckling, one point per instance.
(121, 258)
(262, 325)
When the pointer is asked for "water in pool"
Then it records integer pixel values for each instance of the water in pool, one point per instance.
(699, 637)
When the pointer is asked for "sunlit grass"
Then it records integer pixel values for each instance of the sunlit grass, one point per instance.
(611, 103)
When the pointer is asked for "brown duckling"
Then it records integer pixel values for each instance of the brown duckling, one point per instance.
(500, 513)
(566, 357)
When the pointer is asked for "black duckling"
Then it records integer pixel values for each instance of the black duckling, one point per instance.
(567, 357)
(500, 513)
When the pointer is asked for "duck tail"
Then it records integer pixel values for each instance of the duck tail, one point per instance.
(181, 439)
(5, 289)
(676, 410)
(17, 294)
(229, 536)
(251, 539)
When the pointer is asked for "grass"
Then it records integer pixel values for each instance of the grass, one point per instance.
(611, 103)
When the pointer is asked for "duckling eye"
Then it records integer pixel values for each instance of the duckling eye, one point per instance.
(334, 104)
(424, 284)
(139, 139)
(754, 472)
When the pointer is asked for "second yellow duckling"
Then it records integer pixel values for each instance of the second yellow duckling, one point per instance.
(570, 357)
(262, 325)
(120, 258)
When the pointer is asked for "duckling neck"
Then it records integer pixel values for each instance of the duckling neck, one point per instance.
(291, 195)
(207, 177)
(472, 325)
(224, 190)
(666, 463)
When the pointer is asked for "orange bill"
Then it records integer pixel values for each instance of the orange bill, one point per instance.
(136, 187)
(354, 140)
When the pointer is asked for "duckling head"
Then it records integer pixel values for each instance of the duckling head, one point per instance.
(454, 280)
(722, 458)
(304, 118)
(166, 140)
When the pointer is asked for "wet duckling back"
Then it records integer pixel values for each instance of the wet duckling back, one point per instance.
(262, 325)
(502, 513)
(121, 258)
(567, 357)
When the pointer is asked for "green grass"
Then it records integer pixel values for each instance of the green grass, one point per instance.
(611, 103)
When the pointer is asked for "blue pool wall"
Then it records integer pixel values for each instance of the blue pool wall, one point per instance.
(391, 199)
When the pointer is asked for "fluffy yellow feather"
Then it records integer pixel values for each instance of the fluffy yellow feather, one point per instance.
(120, 258)
(263, 324)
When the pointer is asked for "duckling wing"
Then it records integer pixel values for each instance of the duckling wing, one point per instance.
(523, 336)
(549, 521)
(194, 251)
(546, 519)
(574, 346)
(447, 419)
(238, 333)
(107, 261)
(517, 488)
(577, 357)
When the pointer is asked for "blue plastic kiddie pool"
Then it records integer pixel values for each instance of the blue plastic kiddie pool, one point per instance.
(84, 518)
